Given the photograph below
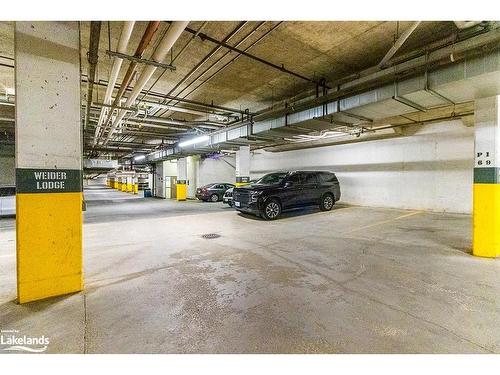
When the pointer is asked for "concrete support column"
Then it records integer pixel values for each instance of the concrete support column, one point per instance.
(111, 180)
(48, 160)
(136, 184)
(243, 165)
(193, 163)
(118, 182)
(182, 179)
(486, 211)
(130, 183)
(124, 183)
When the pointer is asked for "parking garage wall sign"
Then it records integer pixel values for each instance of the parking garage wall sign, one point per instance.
(485, 170)
(48, 180)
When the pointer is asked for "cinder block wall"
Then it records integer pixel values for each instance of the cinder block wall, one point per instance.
(430, 170)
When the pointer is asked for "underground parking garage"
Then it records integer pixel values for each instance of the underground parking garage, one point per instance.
(250, 186)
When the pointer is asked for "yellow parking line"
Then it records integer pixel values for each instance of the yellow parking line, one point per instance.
(384, 222)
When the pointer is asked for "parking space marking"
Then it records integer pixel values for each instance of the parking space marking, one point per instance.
(384, 222)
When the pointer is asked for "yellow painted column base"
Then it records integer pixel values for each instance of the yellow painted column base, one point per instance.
(238, 184)
(486, 220)
(181, 192)
(136, 189)
(123, 187)
(49, 245)
(118, 185)
(130, 188)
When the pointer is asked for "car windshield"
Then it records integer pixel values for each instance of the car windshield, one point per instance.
(272, 179)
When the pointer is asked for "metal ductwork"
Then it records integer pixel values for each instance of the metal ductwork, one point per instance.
(371, 99)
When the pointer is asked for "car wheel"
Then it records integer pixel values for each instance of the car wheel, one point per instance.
(272, 209)
(214, 198)
(327, 202)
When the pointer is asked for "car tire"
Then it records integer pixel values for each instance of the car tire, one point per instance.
(214, 198)
(327, 202)
(271, 209)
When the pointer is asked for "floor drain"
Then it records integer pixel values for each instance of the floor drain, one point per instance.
(209, 236)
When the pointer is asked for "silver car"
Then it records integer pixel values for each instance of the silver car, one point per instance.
(7, 200)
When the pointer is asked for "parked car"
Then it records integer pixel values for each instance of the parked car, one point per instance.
(213, 192)
(228, 195)
(7, 200)
(276, 192)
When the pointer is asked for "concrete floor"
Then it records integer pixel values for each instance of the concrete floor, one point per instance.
(354, 280)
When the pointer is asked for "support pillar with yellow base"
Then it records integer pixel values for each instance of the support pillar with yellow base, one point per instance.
(48, 160)
(130, 184)
(242, 181)
(486, 189)
(135, 185)
(243, 166)
(182, 179)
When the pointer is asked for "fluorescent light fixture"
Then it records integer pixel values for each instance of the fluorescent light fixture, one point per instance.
(193, 141)
(139, 157)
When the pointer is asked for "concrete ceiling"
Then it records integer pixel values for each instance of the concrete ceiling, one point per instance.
(329, 50)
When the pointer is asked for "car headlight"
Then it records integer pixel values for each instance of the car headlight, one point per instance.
(254, 196)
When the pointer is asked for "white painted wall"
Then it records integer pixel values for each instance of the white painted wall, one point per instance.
(101, 180)
(217, 170)
(431, 170)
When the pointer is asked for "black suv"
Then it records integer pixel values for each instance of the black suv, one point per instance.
(276, 192)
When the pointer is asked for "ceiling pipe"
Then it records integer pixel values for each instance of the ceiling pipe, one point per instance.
(143, 44)
(174, 32)
(92, 57)
(157, 95)
(175, 108)
(466, 24)
(207, 79)
(399, 42)
(188, 124)
(207, 57)
(193, 37)
(188, 85)
(125, 34)
(281, 68)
